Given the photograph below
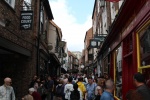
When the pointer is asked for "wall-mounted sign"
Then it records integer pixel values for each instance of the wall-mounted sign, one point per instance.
(100, 37)
(94, 43)
(61, 43)
(26, 20)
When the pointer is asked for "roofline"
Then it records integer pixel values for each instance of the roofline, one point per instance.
(94, 9)
(48, 9)
(58, 28)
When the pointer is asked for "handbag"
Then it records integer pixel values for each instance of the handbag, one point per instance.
(97, 97)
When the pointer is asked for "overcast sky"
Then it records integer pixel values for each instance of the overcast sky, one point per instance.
(74, 17)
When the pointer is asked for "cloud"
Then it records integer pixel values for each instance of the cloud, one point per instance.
(73, 32)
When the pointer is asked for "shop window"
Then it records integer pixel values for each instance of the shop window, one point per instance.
(144, 37)
(118, 72)
(106, 65)
(144, 51)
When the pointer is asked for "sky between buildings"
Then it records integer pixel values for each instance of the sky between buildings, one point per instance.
(74, 17)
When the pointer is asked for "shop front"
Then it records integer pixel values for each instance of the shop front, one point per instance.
(54, 66)
(129, 48)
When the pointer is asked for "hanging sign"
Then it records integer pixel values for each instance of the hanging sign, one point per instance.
(26, 20)
(94, 43)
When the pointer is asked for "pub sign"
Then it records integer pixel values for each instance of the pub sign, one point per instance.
(94, 43)
(26, 20)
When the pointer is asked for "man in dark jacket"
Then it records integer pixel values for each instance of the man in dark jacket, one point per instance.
(50, 87)
(142, 89)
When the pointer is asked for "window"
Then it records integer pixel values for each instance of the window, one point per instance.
(102, 3)
(106, 65)
(27, 5)
(118, 72)
(42, 18)
(144, 51)
(11, 3)
(145, 46)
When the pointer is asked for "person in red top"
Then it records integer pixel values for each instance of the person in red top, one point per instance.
(35, 94)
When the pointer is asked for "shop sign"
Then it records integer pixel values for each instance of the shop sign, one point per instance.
(100, 37)
(94, 43)
(26, 20)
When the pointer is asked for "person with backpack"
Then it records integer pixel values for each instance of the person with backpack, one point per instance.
(68, 88)
(59, 90)
(76, 94)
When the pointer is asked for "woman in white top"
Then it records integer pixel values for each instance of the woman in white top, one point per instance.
(68, 88)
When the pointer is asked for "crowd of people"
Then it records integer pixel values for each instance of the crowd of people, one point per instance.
(75, 87)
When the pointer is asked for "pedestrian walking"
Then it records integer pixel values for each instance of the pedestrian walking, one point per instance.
(90, 89)
(142, 89)
(98, 91)
(68, 88)
(6, 90)
(36, 95)
(28, 96)
(76, 94)
(109, 88)
(59, 90)
(33, 81)
(50, 88)
(81, 86)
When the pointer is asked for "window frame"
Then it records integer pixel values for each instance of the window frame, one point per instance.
(119, 47)
(140, 67)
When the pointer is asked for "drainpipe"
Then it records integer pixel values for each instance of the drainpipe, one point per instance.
(38, 42)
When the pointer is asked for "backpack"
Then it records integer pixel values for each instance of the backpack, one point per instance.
(59, 90)
(75, 95)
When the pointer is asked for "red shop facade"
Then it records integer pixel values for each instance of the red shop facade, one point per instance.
(128, 46)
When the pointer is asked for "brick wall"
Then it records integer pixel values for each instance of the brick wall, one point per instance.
(20, 68)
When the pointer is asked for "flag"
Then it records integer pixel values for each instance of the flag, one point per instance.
(113, 0)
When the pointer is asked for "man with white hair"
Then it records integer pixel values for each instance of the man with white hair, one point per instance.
(109, 88)
(6, 90)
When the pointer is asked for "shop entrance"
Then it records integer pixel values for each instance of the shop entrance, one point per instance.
(10, 65)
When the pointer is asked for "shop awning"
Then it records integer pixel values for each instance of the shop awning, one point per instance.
(54, 59)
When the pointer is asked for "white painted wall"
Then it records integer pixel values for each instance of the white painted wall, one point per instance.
(52, 36)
